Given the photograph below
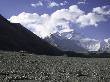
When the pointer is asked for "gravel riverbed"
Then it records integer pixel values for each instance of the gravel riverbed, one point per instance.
(23, 67)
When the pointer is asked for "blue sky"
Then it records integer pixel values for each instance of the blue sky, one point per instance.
(9, 8)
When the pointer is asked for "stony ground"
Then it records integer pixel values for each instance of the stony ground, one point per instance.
(22, 67)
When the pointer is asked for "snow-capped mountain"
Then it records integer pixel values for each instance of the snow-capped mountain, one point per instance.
(65, 43)
(71, 41)
(105, 46)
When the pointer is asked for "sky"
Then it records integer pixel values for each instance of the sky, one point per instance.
(90, 18)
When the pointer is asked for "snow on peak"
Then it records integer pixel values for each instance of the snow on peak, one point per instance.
(90, 44)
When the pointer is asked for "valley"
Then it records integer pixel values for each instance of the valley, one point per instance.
(25, 67)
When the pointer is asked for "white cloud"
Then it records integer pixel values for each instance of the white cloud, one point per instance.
(45, 25)
(37, 4)
(98, 14)
(53, 4)
(104, 10)
(91, 19)
(49, 4)
(81, 2)
(68, 14)
(63, 3)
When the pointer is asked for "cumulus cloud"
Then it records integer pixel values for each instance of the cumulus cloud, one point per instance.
(104, 10)
(45, 25)
(91, 19)
(37, 4)
(98, 14)
(68, 14)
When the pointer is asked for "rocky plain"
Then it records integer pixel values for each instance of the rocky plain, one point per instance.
(25, 67)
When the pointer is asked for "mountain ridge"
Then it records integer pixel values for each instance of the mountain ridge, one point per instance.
(15, 37)
(65, 44)
(70, 41)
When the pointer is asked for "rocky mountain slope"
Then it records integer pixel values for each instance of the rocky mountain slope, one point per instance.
(15, 37)
(62, 42)
(105, 46)
(71, 41)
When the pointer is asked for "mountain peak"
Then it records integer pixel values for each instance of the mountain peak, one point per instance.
(15, 37)
(2, 18)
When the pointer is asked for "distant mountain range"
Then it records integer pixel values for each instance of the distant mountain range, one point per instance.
(65, 43)
(70, 41)
(105, 46)
(15, 37)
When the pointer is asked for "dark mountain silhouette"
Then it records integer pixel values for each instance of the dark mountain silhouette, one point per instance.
(15, 37)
